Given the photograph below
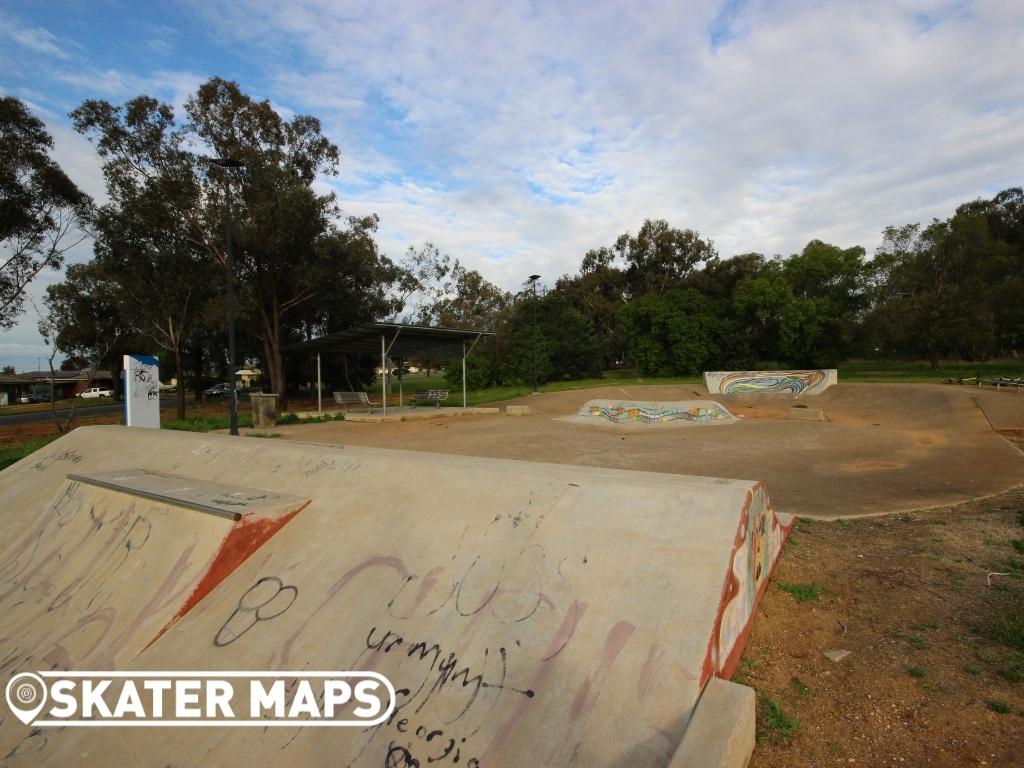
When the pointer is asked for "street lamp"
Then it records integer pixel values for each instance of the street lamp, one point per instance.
(533, 281)
(226, 164)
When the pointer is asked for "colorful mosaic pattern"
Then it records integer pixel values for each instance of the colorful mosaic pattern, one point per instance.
(655, 412)
(769, 382)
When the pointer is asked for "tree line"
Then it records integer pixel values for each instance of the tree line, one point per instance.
(661, 300)
(664, 302)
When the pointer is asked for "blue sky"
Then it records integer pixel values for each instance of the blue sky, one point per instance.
(518, 135)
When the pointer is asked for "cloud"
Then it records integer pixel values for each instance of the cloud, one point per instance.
(35, 39)
(518, 135)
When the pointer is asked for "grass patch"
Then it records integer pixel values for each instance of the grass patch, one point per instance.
(1012, 671)
(998, 706)
(801, 688)
(802, 593)
(1008, 629)
(970, 669)
(779, 727)
(9, 454)
(1018, 544)
(265, 434)
(916, 672)
(207, 423)
(921, 371)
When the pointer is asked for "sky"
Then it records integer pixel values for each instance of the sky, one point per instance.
(515, 136)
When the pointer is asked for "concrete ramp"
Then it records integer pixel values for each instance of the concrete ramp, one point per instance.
(793, 383)
(653, 412)
(528, 614)
(105, 567)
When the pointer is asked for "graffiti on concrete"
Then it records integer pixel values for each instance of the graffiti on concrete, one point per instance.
(267, 599)
(811, 382)
(759, 539)
(622, 412)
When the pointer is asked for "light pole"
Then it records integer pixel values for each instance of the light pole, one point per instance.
(226, 164)
(533, 281)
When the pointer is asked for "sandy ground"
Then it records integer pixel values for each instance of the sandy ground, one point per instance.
(886, 448)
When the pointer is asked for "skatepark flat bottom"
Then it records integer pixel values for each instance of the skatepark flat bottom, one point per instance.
(887, 447)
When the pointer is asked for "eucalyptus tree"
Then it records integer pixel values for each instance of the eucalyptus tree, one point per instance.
(42, 213)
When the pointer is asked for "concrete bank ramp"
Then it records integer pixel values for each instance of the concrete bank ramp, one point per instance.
(109, 560)
(793, 383)
(652, 412)
(530, 614)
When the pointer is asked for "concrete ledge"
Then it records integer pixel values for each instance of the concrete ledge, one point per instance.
(334, 412)
(413, 414)
(806, 414)
(721, 732)
(519, 410)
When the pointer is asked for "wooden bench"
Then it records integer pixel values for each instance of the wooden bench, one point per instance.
(436, 396)
(351, 398)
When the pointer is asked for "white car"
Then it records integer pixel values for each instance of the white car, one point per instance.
(97, 392)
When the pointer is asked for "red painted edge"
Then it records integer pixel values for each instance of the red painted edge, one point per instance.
(730, 587)
(242, 541)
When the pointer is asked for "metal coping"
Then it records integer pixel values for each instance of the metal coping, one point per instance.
(156, 496)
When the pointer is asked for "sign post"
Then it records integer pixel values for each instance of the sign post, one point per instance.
(142, 391)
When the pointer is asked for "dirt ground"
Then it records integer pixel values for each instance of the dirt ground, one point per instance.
(885, 448)
(935, 674)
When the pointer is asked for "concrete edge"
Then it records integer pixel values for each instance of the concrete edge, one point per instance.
(425, 413)
(721, 731)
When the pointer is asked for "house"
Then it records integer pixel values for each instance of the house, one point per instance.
(66, 384)
(249, 377)
(12, 387)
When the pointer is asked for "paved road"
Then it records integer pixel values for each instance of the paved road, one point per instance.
(93, 410)
(25, 418)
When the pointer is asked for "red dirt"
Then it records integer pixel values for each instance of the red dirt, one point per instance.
(908, 596)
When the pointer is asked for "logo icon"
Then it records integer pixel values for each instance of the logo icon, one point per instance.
(26, 696)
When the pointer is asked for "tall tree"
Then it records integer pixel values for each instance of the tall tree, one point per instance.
(468, 301)
(89, 321)
(42, 213)
(151, 242)
(659, 256)
(280, 219)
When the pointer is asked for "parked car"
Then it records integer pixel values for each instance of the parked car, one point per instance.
(31, 397)
(221, 390)
(96, 392)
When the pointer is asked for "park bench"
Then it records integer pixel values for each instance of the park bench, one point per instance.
(351, 398)
(436, 396)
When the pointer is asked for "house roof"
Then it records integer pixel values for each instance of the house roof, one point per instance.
(62, 376)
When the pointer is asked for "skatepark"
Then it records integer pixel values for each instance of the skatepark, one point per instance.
(883, 448)
(594, 565)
